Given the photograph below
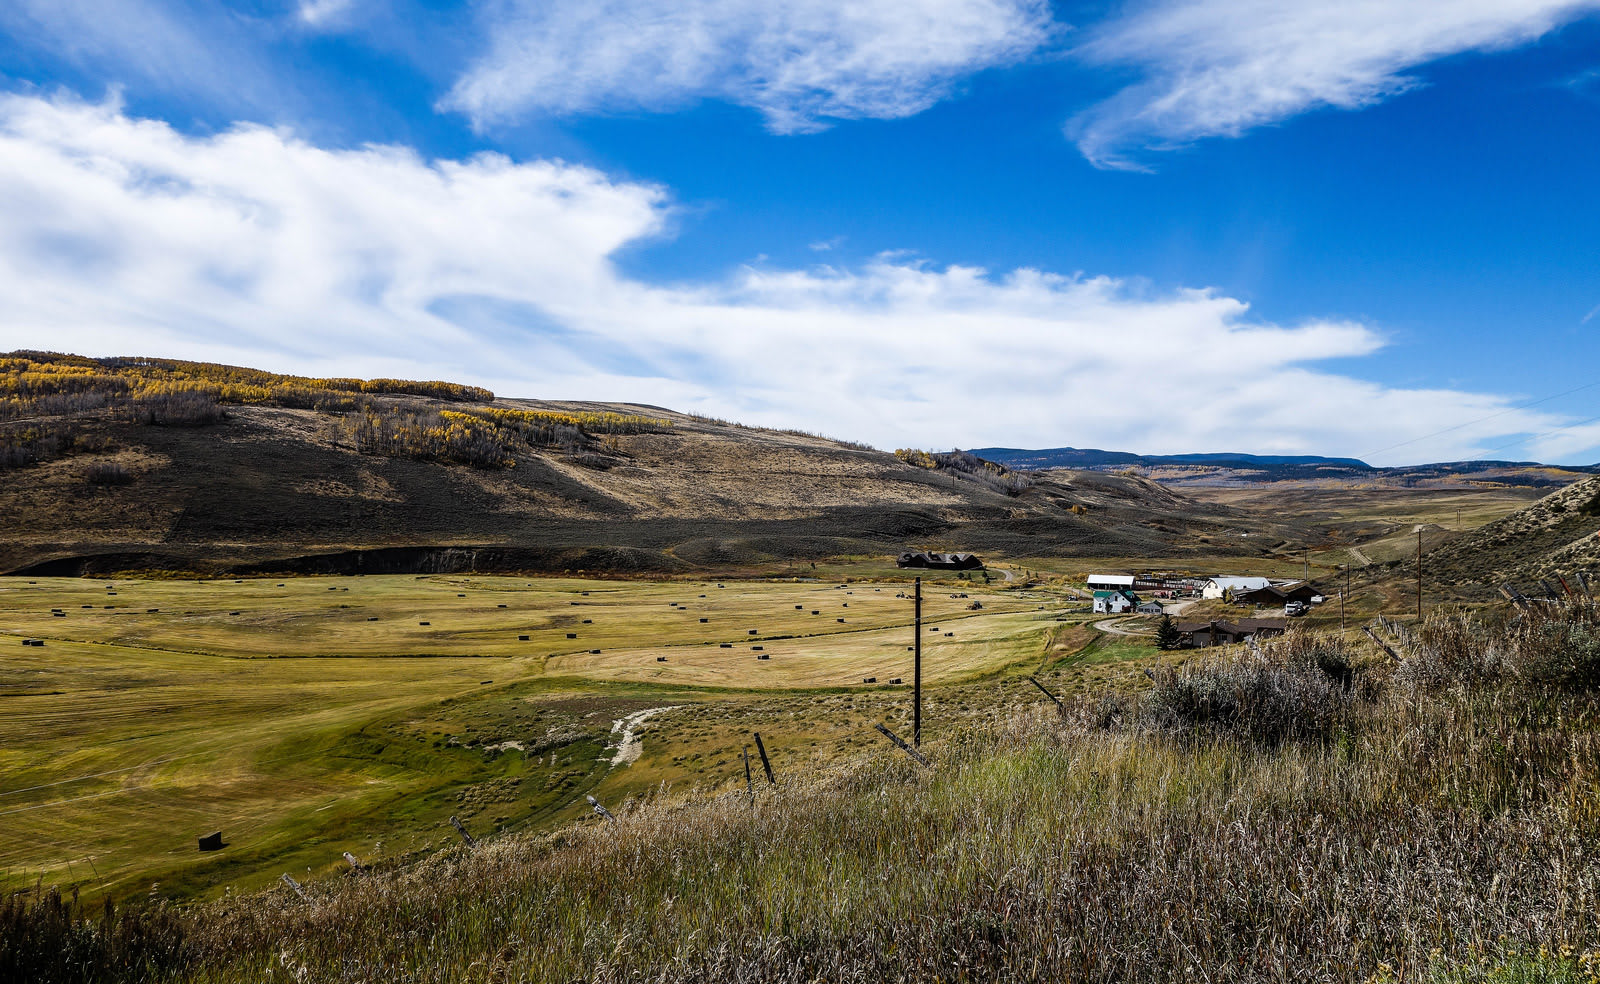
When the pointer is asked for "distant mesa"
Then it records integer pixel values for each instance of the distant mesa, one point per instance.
(1095, 458)
(928, 560)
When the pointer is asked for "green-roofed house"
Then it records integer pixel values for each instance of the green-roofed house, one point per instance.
(1114, 602)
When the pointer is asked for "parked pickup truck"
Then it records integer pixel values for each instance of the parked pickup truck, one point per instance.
(1295, 608)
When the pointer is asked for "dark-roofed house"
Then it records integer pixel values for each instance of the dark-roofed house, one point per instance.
(1222, 587)
(1220, 632)
(932, 561)
(1277, 594)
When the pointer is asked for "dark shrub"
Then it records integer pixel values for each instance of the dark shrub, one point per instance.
(1560, 652)
(107, 473)
(183, 409)
(1251, 700)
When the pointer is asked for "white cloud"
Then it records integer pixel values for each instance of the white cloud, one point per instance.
(122, 236)
(321, 13)
(798, 62)
(205, 54)
(1220, 67)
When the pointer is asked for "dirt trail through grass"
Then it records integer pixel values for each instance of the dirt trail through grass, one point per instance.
(632, 744)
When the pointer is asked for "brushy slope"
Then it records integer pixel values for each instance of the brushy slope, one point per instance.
(1558, 534)
(1300, 817)
(113, 465)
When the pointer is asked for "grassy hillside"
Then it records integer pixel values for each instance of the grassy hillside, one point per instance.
(150, 464)
(1555, 535)
(1320, 814)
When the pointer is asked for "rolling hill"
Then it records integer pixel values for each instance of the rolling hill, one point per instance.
(1555, 535)
(150, 464)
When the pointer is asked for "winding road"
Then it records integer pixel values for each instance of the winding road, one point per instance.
(1113, 626)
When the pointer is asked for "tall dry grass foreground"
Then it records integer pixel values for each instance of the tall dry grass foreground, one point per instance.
(1298, 817)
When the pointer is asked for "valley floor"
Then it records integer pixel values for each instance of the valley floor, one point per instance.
(306, 717)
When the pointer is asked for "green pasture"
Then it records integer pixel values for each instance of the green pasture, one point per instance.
(305, 717)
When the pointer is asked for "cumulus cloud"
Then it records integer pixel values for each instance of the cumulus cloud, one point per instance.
(123, 236)
(799, 63)
(1220, 67)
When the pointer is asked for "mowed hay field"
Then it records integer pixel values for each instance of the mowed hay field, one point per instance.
(304, 717)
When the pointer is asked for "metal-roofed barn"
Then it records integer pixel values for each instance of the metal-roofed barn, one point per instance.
(1111, 582)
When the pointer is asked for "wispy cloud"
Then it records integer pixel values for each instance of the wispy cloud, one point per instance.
(1219, 67)
(202, 53)
(125, 236)
(321, 13)
(799, 63)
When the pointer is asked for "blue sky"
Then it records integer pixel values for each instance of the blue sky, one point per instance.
(1352, 228)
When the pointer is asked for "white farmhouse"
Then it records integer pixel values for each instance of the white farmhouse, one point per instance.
(1218, 587)
(1113, 602)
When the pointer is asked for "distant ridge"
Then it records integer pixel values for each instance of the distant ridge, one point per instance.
(1239, 468)
(1096, 458)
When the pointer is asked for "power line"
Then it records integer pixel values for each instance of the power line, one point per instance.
(1534, 437)
(1480, 420)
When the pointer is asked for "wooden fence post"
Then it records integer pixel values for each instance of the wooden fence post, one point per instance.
(1381, 644)
(903, 746)
(463, 832)
(749, 787)
(294, 885)
(765, 763)
(916, 669)
(600, 809)
(1059, 706)
(355, 863)
(1514, 596)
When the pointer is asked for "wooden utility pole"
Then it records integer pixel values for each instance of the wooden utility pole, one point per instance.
(1419, 573)
(916, 670)
(1341, 599)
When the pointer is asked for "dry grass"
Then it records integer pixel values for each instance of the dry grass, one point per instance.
(1435, 820)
